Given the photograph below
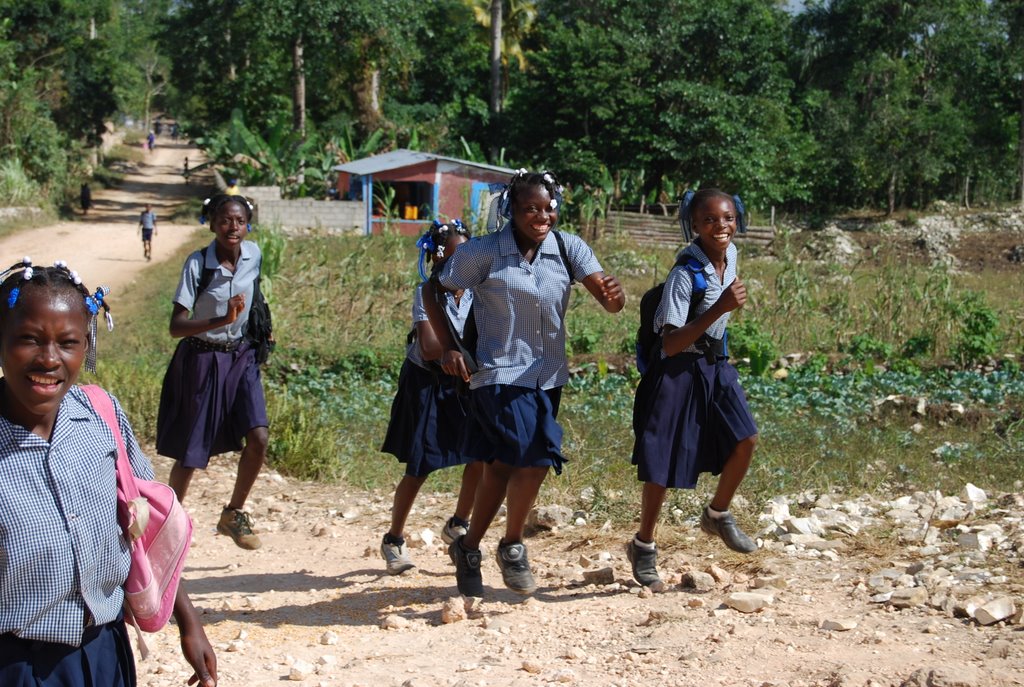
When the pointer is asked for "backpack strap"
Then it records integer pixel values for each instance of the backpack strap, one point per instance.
(565, 255)
(205, 274)
(700, 285)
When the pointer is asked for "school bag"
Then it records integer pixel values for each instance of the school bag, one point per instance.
(648, 341)
(466, 343)
(156, 528)
(260, 326)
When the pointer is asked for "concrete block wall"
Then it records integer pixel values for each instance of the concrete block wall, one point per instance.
(327, 215)
(260, 193)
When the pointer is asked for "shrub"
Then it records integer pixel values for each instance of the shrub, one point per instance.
(978, 335)
(748, 340)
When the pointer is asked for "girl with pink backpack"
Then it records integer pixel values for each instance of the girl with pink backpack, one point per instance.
(63, 558)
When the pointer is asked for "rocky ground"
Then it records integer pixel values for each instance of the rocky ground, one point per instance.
(922, 590)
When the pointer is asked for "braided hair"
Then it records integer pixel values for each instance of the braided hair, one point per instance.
(523, 180)
(433, 242)
(213, 205)
(23, 275)
(694, 200)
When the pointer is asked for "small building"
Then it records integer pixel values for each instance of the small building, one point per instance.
(403, 189)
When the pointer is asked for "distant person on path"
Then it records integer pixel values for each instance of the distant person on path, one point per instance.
(690, 414)
(85, 198)
(521, 278)
(65, 559)
(174, 132)
(429, 412)
(185, 171)
(151, 141)
(232, 189)
(212, 395)
(147, 225)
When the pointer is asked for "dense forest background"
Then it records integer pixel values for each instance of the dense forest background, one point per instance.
(836, 105)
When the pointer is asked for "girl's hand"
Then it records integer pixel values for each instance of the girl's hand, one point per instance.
(453, 363)
(196, 649)
(734, 297)
(236, 304)
(613, 298)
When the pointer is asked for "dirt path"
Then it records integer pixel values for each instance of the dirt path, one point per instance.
(105, 246)
(314, 606)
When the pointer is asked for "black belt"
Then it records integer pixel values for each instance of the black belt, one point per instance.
(203, 345)
(711, 348)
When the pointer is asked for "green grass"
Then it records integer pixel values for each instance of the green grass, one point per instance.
(341, 309)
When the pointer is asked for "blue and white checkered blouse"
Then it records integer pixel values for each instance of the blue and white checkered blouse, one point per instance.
(61, 550)
(675, 300)
(519, 306)
(457, 313)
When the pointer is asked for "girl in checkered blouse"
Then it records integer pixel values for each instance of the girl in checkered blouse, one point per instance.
(520, 278)
(63, 559)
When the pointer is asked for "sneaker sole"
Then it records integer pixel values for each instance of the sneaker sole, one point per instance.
(399, 570)
(247, 547)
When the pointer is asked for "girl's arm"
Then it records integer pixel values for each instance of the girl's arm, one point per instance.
(678, 339)
(181, 325)
(606, 290)
(451, 360)
(429, 342)
(195, 647)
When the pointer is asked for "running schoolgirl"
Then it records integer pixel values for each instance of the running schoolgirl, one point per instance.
(428, 413)
(63, 560)
(690, 414)
(520, 278)
(212, 396)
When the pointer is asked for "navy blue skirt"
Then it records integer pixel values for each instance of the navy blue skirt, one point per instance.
(104, 658)
(209, 402)
(515, 425)
(688, 416)
(428, 417)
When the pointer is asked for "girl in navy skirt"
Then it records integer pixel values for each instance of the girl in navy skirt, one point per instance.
(63, 559)
(520, 278)
(212, 396)
(428, 413)
(690, 414)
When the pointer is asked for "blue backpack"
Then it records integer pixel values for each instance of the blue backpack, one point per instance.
(648, 341)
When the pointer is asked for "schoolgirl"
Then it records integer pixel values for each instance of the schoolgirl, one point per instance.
(212, 396)
(428, 413)
(63, 560)
(690, 414)
(520, 278)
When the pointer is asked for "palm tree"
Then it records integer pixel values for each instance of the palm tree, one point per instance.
(509, 28)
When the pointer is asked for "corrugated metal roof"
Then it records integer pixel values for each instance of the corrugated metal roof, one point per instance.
(396, 159)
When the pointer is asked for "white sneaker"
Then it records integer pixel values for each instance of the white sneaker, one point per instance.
(396, 556)
(451, 531)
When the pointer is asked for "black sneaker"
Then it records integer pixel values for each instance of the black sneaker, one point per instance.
(515, 568)
(644, 562)
(728, 531)
(467, 569)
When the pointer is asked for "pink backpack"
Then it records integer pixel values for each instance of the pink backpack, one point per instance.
(156, 527)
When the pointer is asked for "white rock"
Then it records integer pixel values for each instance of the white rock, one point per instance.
(329, 638)
(394, 622)
(453, 610)
(746, 602)
(975, 541)
(533, 667)
(427, 536)
(839, 624)
(300, 670)
(973, 494)
(906, 598)
(995, 610)
(327, 660)
(600, 576)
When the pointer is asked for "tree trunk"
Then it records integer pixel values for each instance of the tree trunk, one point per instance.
(299, 94)
(232, 74)
(892, 193)
(496, 7)
(967, 191)
(1020, 144)
(299, 101)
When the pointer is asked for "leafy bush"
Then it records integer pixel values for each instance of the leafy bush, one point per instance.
(865, 347)
(748, 340)
(16, 188)
(978, 336)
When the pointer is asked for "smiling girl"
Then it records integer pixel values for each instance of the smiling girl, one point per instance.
(212, 395)
(520, 278)
(690, 414)
(63, 560)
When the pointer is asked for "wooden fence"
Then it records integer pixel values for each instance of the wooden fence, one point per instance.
(661, 228)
